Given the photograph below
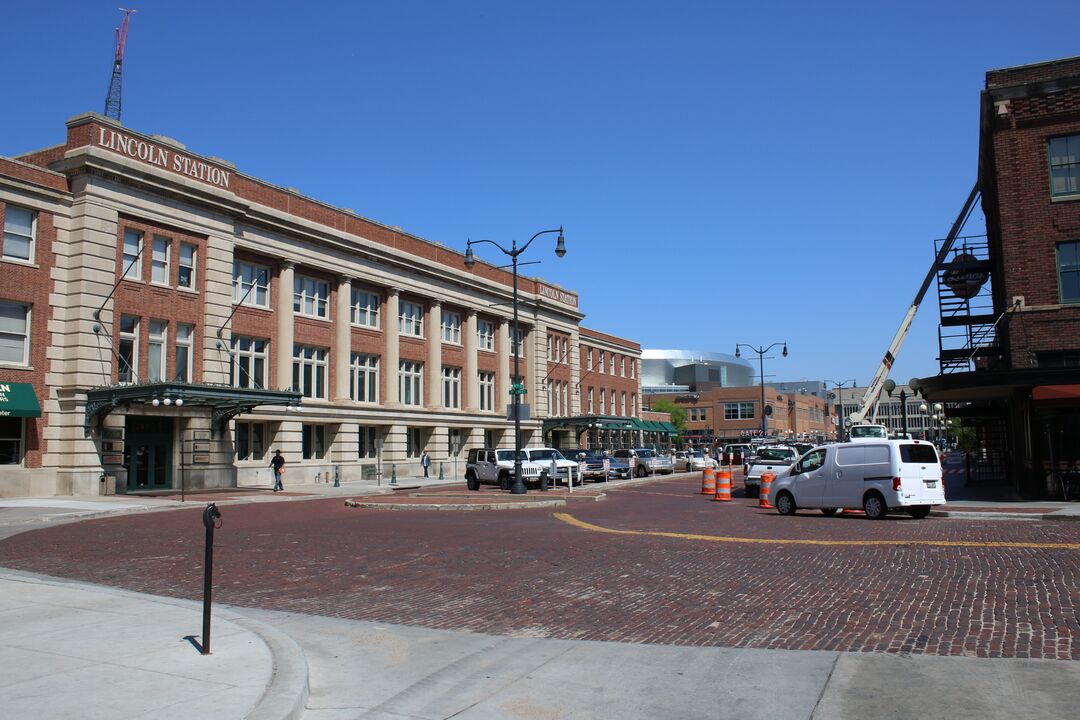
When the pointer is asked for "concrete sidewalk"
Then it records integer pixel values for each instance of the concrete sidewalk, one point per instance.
(74, 650)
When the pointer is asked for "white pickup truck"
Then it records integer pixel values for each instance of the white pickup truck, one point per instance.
(769, 458)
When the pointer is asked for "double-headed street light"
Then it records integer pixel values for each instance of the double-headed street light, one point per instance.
(838, 386)
(761, 366)
(518, 388)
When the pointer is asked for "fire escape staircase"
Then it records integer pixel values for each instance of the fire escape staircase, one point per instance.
(968, 332)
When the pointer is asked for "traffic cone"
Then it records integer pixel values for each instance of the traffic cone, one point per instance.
(708, 481)
(723, 487)
(763, 492)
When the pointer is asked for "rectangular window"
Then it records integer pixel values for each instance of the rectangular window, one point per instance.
(551, 358)
(311, 297)
(414, 442)
(14, 333)
(739, 411)
(128, 349)
(313, 442)
(612, 402)
(1058, 359)
(603, 403)
(1068, 265)
(633, 404)
(184, 336)
(565, 352)
(11, 441)
(601, 367)
(247, 368)
(589, 396)
(131, 262)
(517, 342)
(1065, 165)
(365, 308)
(588, 363)
(410, 383)
(613, 364)
(364, 378)
(367, 448)
(19, 231)
(411, 319)
(622, 366)
(485, 335)
(487, 391)
(155, 351)
(451, 387)
(159, 261)
(250, 438)
(309, 371)
(185, 277)
(251, 284)
(633, 366)
(451, 327)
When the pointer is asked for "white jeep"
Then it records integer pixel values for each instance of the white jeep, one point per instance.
(496, 467)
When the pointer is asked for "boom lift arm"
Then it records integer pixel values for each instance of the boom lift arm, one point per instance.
(874, 389)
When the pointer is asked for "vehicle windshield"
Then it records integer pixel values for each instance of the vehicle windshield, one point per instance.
(697, 455)
(877, 432)
(545, 454)
(776, 454)
(508, 455)
(644, 453)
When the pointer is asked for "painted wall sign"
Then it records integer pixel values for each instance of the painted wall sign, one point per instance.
(556, 294)
(167, 159)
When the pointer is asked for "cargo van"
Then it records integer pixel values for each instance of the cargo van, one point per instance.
(876, 476)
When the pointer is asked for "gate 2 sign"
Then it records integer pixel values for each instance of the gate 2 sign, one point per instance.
(964, 281)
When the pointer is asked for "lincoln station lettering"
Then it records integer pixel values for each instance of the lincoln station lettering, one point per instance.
(167, 159)
(556, 294)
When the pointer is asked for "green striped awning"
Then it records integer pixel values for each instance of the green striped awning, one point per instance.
(18, 400)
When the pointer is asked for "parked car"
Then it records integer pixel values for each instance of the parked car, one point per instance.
(738, 452)
(692, 462)
(490, 467)
(618, 468)
(644, 461)
(769, 458)
(876, 476)
(592, 464)
(802, 448)
(544, 457)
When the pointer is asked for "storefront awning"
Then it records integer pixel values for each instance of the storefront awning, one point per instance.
(223, 401)
(668, 428)
(18, 400)
(1055, 392)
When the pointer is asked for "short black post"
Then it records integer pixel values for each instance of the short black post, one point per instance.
(210, 514)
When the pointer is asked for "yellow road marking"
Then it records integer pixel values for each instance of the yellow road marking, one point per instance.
(571, 520)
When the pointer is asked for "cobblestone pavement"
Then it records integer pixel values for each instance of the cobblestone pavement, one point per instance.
(528, 573)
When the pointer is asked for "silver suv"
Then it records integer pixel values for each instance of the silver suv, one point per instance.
(644, 461)
(491, 467)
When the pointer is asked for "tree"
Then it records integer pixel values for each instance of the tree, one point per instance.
(966, 437)
(678, 414)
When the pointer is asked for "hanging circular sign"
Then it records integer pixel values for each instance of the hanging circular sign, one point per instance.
(965, 282)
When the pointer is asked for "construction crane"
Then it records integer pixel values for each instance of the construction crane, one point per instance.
(113, 98)
(873, 390)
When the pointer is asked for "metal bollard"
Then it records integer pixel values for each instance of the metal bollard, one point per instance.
(393, 474)
(210, 515)
(337, 476)
(441, 475)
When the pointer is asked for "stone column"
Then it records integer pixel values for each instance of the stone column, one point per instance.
(389, 370)
(471, 381)
(434, 361)
(342, 339)
(283, 338)
(506, 365)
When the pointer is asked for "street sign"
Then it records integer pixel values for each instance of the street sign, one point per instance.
(523, 412)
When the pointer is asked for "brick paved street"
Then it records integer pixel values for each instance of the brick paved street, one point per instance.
(529, 573)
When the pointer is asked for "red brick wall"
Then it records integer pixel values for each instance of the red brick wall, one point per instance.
(31, 285)
(1029, 223)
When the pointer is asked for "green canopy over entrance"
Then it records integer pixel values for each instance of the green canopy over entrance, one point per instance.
(18, 400)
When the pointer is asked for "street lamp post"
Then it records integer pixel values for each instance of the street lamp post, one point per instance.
(889, 386)
(840, 403)
(517, 389)
(761, 374)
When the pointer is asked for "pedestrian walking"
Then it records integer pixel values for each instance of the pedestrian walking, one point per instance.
(278, 464)
(425, 462)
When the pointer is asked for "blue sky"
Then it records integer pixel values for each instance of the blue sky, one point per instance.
(773, 171)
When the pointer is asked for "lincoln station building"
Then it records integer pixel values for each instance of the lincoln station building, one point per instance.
(167, 321)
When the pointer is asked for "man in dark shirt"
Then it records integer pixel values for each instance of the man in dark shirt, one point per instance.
(278, 464)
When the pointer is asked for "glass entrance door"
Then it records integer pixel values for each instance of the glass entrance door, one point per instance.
(148, 453)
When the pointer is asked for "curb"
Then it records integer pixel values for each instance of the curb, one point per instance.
(526, 505)
(286, 694)
(974, 515)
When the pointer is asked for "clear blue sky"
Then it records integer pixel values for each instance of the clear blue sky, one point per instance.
(725, 172)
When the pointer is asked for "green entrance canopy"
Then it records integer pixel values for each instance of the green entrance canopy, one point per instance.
(668, 428)
(18, 400)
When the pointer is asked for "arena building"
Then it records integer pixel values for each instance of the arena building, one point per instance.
(666, 371)
(168, 321)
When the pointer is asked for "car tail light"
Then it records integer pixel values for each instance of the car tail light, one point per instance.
(896, 484)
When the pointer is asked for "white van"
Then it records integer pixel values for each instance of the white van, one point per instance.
(875, 476)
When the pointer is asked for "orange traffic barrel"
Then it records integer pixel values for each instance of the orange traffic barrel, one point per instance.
(763, 491)
(708, 481)
(723, 486)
